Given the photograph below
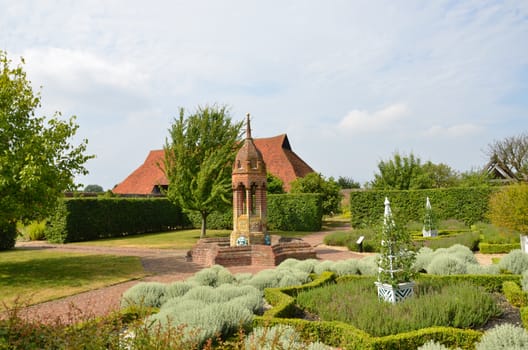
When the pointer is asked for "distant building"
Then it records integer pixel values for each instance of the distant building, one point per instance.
(281, 161)
(498, 172)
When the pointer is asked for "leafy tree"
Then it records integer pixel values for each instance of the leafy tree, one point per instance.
(508, 208)
(401, 173)
(473, 178)
(347, 182)
(37, 161)
(440, 175)
(513, 153)
(93, 188)
(316, 183)
(198, 160)
(274, 184)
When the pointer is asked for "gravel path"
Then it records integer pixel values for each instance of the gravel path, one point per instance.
(161, 265)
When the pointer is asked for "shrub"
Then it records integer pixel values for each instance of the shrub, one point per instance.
(514, 294)
(524, 281)
(295, 212)
(505, 336)
(35, 231)
(177, 289)
(508, 207)
(503, 248)
(276, 337)
(8, 235)
(467, 205)
(432, 345)
(515, 262)
(476, 269)
(212, 276)
(423, 258)
(368, 265)
(436, 303)
(148, 294)
(444, 264)
(492, 234)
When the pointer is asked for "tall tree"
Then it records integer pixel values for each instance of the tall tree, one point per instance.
(38, 162)
(512, 152)
(347, 183)
(198, 160)
(316, 183)
(401, 173)
(274, 184)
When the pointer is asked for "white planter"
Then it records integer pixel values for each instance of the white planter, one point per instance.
(429, 233)
(394, 294)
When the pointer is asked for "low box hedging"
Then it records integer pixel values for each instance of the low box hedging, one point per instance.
(465, 204)
(489, 248)
(84, 219)
(524, 316)
(514, 294)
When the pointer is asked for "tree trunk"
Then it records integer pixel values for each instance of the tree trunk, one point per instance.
(204, 224)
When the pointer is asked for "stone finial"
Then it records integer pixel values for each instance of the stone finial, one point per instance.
(248, 126)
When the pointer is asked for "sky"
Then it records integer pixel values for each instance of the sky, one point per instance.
(350, 82)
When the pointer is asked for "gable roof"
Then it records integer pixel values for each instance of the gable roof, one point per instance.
(278, 155)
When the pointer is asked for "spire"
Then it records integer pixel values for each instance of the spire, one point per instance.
(248, 127)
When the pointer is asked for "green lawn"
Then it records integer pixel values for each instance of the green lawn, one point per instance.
(184, 239)
(36, 276)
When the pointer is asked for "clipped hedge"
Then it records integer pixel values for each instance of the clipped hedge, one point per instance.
(295, 212)
(340, 334)
(489, 248)
(465, 204)
(84, 219)
(514, 294)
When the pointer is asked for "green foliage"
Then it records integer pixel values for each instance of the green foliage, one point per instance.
(492, 234)
(446, 265)
(515, 262)
(349, 239)
(524, 316)
(508, 207)
(274, 184)
(514, 294)
(504, 248)
(295, 212)
(447, 239)
(504, 336)
(213, 276)
(347, 182)
(215, 221)
(198, 160)
(400, 173)
(435, 304)
(84, 219)
(35, 231)
(94, 188)
(396, 255)
(37, 161)
(432, 345)
(468, 205)
(145, 294)
(316, 183)
(8, 235)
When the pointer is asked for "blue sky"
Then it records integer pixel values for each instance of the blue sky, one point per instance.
(350, 82)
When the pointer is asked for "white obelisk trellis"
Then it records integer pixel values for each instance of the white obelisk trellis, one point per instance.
(429, 229)
(394, 261)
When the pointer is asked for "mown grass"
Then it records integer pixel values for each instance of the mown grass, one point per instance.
(435, 304)
(42, 275)
(184, 239)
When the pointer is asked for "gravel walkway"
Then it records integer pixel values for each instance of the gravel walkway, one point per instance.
(161, 265)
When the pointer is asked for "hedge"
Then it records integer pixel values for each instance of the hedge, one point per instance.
(489, 248)
(469, 204)
(340, 334)
(295, 212)
(84, 219)
(514, 294)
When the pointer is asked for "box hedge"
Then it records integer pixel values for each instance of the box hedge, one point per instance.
(496, 248)
(465, 204)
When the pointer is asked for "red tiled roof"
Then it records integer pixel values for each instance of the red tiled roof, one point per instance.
(280, 160)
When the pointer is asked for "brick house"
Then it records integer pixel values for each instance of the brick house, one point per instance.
(278, 155)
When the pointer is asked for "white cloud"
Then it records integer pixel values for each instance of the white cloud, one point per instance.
(383, 119)
(458, 130)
